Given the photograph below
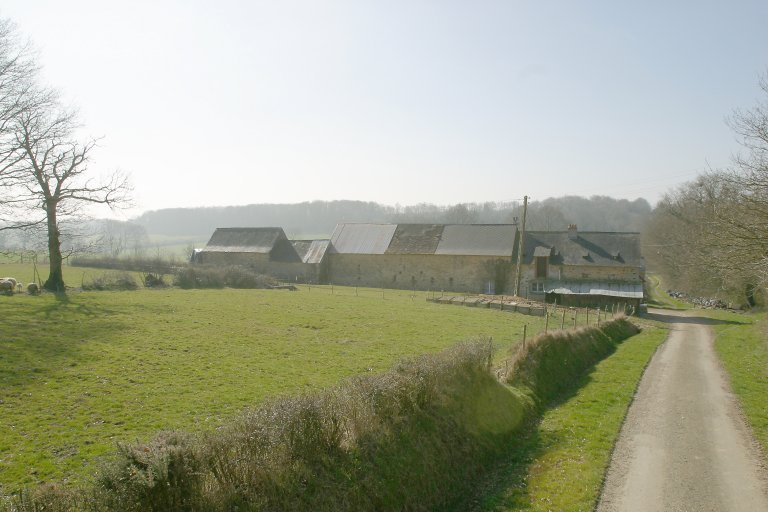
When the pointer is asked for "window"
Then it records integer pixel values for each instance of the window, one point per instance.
(537, 287)
(541, 267)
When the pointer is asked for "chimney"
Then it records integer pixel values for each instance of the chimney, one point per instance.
(573, 232)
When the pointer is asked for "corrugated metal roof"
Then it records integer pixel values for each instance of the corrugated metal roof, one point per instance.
(415, 239)
(256, 240)
(478, 240)
(301, 247)
(362, 238)
(626, 290)
(316, 252)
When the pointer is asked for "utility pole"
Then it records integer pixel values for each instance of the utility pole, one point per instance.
(520, 249)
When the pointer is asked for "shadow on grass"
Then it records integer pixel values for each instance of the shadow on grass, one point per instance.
(505, 487)
(667, 318)
(42, 341)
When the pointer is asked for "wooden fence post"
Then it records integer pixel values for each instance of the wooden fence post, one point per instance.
(525, 330)
(562, 322)
(546, 322)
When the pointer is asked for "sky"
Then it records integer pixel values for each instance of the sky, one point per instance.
(401, 102)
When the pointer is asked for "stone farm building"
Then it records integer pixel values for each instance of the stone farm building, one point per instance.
(266, 251)
(574, 268)
(583, 268)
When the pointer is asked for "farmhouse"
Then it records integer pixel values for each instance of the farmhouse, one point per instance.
(583, 268)
(570, 267)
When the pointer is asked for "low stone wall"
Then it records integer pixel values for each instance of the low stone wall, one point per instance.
(508, 305)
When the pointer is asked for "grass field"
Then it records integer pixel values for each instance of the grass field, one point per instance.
(81, 372)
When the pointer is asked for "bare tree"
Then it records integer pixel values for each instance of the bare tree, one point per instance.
(44, 176)
(18, 93)
(52, 182)
(714, 230)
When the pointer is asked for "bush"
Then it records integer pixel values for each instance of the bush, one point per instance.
(553, 362)
(163, 475)
(200, 276)
(111, 281)
(137, 264)
(383, 442)
(154, 280)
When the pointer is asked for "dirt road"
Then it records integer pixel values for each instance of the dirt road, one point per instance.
(684, 445)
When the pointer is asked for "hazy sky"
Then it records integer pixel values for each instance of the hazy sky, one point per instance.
(214, 103)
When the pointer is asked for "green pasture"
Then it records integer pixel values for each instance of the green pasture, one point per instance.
(81, 372)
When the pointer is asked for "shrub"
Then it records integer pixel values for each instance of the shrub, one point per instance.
(162, 475)
(111, 281)
(135, 264)
(208, 276)
(382, 442)
(49, 498)
(553, 362)
(154, 280)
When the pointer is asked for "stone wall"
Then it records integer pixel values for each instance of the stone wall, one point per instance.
(260, 263)
(422, 272)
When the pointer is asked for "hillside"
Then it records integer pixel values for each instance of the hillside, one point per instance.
(318, 218)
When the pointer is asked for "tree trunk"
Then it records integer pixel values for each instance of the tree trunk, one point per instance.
(55, 282)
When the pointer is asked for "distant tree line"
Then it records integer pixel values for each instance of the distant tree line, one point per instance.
(710, 236)
(318, 218)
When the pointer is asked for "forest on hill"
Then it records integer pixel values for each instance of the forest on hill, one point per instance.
(318, 218)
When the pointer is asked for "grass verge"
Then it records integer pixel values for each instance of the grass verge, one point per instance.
(560, 463)
(742, 346)
(659, 297)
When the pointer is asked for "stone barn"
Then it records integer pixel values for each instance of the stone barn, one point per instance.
(266, 251)
(583, 268)
(474, 258)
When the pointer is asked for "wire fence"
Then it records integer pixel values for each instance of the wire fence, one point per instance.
(532, 317)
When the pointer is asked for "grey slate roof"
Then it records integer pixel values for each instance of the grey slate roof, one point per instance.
(362, 238)
(589, 248)
(444, 239)
(415, 239)
(268, 241)
(478, 240)
(256, 240)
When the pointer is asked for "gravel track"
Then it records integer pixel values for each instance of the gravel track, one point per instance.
(684, 445)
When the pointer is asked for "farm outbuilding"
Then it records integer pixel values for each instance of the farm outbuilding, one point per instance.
(570, 267)
(583, 268)
(473, 258)
(267, 251)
